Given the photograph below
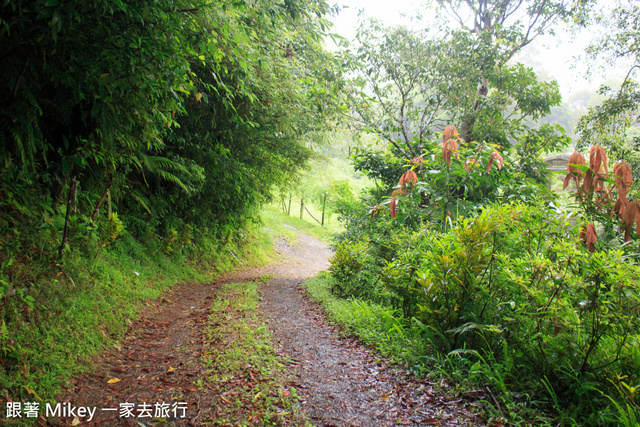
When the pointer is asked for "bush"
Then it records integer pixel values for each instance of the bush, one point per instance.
(351, 266)
(515, 293)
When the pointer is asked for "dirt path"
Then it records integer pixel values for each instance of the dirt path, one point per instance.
(339, 381)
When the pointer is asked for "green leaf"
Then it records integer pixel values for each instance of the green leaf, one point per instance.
(583, 168)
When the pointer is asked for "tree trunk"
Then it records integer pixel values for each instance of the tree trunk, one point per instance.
(108, 204)
(301, 207)
(65, 233)
(75, 200)
(470, 118)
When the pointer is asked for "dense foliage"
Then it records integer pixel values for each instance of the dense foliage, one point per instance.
(508, 291)
(169, 106)
(463, 245)
(158, 123)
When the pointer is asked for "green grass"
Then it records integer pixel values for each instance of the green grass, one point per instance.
(247, 377)
(70, 310)
(275, 219)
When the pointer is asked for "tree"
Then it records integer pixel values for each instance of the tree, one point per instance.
(411, 84)
(397, 92)
(516, 22)
(613, 123)
(505, 26)
(164, 103)
(620, 31)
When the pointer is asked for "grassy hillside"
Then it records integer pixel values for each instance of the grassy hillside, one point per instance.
(64, 314)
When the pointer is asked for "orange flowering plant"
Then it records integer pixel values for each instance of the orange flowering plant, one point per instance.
(604, 199)
(453, 178)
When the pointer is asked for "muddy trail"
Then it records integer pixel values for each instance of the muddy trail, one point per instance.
(158, 364)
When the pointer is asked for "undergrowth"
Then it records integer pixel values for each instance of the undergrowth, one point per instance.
(508, 300)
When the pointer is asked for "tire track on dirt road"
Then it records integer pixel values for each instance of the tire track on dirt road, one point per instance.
(339, 381)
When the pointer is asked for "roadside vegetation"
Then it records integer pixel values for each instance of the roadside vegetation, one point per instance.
(88, 303)
(460, 261)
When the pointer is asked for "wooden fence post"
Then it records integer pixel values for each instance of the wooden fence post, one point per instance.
(324, 204)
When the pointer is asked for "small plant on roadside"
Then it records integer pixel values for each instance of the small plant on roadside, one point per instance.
(174, 241)
(351, 265)
(111, 229)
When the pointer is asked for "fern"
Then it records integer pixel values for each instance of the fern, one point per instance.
(163, 168)
(142, 200)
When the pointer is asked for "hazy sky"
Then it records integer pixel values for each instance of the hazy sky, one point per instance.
(550, 57)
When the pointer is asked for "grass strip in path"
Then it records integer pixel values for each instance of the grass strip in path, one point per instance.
(248, 380)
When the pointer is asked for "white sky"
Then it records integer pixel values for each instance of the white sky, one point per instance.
(552, 58)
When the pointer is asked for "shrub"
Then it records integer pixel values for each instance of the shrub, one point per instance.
(515, 292)
(351, 266)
